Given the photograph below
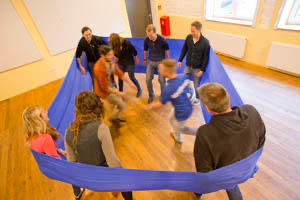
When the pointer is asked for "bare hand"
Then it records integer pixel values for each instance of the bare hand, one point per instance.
(179, 64)
(82, 70)
(137, 61)
(62, 152)
(145, 62)
(121, 94)
(149, 107)
(199, 74)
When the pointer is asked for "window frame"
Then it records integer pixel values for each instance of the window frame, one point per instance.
(209, 15)
(283, 17)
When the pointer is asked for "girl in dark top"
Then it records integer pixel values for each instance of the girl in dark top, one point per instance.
(125, 53)
(88, 140)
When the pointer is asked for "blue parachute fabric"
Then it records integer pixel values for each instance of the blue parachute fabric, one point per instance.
(104, 179)
(61, 113)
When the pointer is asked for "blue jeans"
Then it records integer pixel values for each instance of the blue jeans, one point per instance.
(130, 69)
(193, 72)
(151, 67)
(233, 194)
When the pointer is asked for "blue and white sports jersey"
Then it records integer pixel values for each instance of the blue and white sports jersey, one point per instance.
(176, 91)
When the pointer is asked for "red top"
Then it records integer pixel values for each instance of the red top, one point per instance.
(45, 144)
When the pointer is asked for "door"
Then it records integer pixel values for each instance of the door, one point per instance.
(139, 15)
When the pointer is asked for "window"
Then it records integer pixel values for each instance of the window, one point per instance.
(232, 11)
(289, 17)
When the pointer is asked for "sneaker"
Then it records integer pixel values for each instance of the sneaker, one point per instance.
(80, 195)
(139, 93)
(150, 100)
(177, 139)
(119, 120)
(197, 102)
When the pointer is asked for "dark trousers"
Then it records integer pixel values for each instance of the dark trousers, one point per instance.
(126, 195)
(233, 194)
(91, 70)
(130, 69)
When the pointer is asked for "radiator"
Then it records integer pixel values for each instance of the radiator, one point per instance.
(284, 57)
(227, 44)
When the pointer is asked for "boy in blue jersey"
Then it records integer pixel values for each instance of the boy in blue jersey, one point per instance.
(176, 91)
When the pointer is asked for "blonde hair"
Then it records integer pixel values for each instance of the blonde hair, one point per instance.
(150, 28)
(169, 65)
(35, 125)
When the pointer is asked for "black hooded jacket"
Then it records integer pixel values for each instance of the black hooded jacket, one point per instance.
(228, 138)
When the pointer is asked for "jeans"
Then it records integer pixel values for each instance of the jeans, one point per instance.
(179, 127)
(91, 70)
(151, 67)
(130, 69)
(193, 72)
(117, 101)
(126, 195)
(233, 194)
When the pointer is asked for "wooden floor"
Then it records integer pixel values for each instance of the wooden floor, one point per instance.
(144, 142)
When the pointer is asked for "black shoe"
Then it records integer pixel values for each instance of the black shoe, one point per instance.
(119, 120)
(80, 195)
(150, 100)
(139, 93)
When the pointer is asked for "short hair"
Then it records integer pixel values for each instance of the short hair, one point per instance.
(150, 28)
(197, 25)
(169, 64)
(104, 49)
(84, 29)
(215, 97)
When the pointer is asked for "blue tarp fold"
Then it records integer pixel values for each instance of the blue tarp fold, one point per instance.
(61, 113)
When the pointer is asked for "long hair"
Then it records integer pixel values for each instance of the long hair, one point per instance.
(88, 107)
(35, 125)
(115, 43)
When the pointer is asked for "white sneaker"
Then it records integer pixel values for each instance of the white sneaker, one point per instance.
(176, 138)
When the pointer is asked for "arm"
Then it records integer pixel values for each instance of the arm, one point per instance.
(202, 156)
(145, 51)
(79, 51)
(107, 146)
(70, 152)
(168, 54)
(166, 48)
(156, 105)
(49, 147)
(133, 49)
(184, 50)
(205, 57)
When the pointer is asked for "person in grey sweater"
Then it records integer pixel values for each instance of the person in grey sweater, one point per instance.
(88, 140)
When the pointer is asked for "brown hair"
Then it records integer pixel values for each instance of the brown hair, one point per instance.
(35, 125)
(169, 64)
(104, 49)
(115, 42)
(88, 107)
(150, 28)
(215, 97)
(84, 29)
(197, 25)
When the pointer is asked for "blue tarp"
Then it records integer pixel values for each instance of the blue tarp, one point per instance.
(61, 113)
